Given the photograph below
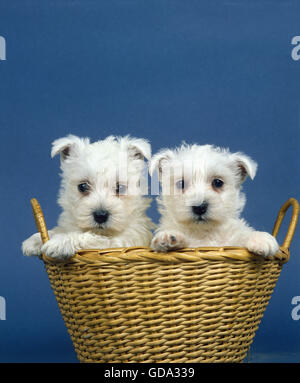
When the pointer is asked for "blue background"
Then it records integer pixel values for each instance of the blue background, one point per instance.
(215, 72)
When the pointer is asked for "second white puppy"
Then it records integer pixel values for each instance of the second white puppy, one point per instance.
(202, 200)
(101, 196)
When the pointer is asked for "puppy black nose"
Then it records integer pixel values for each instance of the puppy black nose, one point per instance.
(201, 209)
(100, 216)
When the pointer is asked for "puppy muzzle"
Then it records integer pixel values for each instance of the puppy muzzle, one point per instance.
(101, 216)
(199, 211)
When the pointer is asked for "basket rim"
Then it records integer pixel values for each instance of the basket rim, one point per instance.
(183, 255)
(188, 255)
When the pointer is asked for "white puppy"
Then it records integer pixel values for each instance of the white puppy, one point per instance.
(202, 200)
(101, 196)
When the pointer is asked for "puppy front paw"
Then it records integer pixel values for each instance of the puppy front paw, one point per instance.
(33, 245)
(262, 243)
(165, 241)
(60, 246)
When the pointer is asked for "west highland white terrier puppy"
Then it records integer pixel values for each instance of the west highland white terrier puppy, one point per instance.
(202, 200)
(101, 196)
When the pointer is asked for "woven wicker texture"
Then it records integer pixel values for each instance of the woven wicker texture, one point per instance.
(193, 305)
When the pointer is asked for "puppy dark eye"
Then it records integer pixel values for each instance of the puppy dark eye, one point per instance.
(180, 184)
(121, 189)
(84, 187)
(217, 183)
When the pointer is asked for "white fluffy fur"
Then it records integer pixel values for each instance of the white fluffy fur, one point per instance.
(101, 165)
(221, 225)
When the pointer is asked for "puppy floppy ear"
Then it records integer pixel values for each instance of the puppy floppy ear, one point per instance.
(68, 146)
(244, 166)
(160, 160)
(138, 148)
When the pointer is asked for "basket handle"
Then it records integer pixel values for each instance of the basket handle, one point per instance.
(39, 220)
(293, 223)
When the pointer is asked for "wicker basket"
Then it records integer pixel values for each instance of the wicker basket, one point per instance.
(193, 305)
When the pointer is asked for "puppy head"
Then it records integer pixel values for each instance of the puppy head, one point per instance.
(202, 184)
(101, 181)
